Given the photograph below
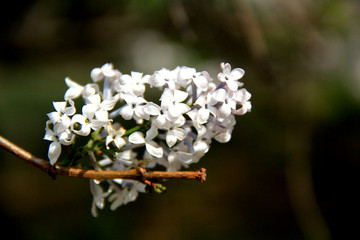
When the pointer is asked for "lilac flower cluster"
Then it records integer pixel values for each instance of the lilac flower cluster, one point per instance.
(174, 132)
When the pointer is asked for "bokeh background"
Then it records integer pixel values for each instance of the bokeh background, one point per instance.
(291, 168)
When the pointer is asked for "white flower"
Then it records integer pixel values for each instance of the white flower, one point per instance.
(161, 122)
(82, 124)
(200, 79)
(242, 97)
(128, 193)
(133, 107)
(200, 148)
(65, 138)
(98, 196)
(54, 152)
(94, 115)
(75, 89)
(175, 134)
(134, 84)
(106, 71)
(60, 134)
(62, 113)
(171, 104)
(114, 136)
(177, 159)
(231, 77)
(221, 129)
(199, 117)
(165, 77)
(151, 146)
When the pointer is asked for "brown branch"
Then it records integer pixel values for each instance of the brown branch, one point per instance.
(140, 174)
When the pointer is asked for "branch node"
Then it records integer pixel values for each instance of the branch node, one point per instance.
(202, 175)
(51, 171)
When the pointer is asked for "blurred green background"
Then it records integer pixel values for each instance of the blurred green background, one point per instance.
(291, 168)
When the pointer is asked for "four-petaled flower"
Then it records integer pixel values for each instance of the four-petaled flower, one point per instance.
(231, 77)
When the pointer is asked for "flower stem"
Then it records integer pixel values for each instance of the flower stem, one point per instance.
(139, 174)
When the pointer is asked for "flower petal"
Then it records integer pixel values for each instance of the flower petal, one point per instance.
(220, 95)
(127, 112)
(226, 67)
(109, 103)
(180, 96)
(203, 115)
(102, 115)
(233, 85)
(152, 132)
(236, 74)
(74, 90)
(170, 139)
(66, 137)
(152, 109)
(71, 109)
(183, 108)
(224, 111)
(119, 142)
(166, 99)
(54, 152)
(223, 137)
(54, 117)
(154, 150)
(138, 89)
(161, 122)
(201, 82)
(96, 74)
(156, 80)
(93, 99)
(136, 138)
(59, 106)
(108, 70)
(89, 110)
(97, 124)
(173, 135)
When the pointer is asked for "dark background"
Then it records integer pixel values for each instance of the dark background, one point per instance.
(291, 168)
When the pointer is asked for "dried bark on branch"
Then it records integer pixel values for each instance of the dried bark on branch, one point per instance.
(140, 174)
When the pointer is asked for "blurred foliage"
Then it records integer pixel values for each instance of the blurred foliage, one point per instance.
(288, 173)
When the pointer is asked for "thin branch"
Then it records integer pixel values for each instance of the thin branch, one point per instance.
(140, 174)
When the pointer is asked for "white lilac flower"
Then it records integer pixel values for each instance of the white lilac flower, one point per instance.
(231, 77)
(75, 89)
(99, 196)
(177, 159)
(134, 83)
(173, 135)
(200, 79)
(62, 112)
(172, 104)
(132, 109)
(57, 137)
(60, 133)
(106, 71)
(199, 117)
(242, 97)
(127, 193)
(151, 146)
(55, 147)
(115, 135)
(165, 77)
(200, 148)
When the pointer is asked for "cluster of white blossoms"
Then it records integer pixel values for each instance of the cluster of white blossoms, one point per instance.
(173, 132)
